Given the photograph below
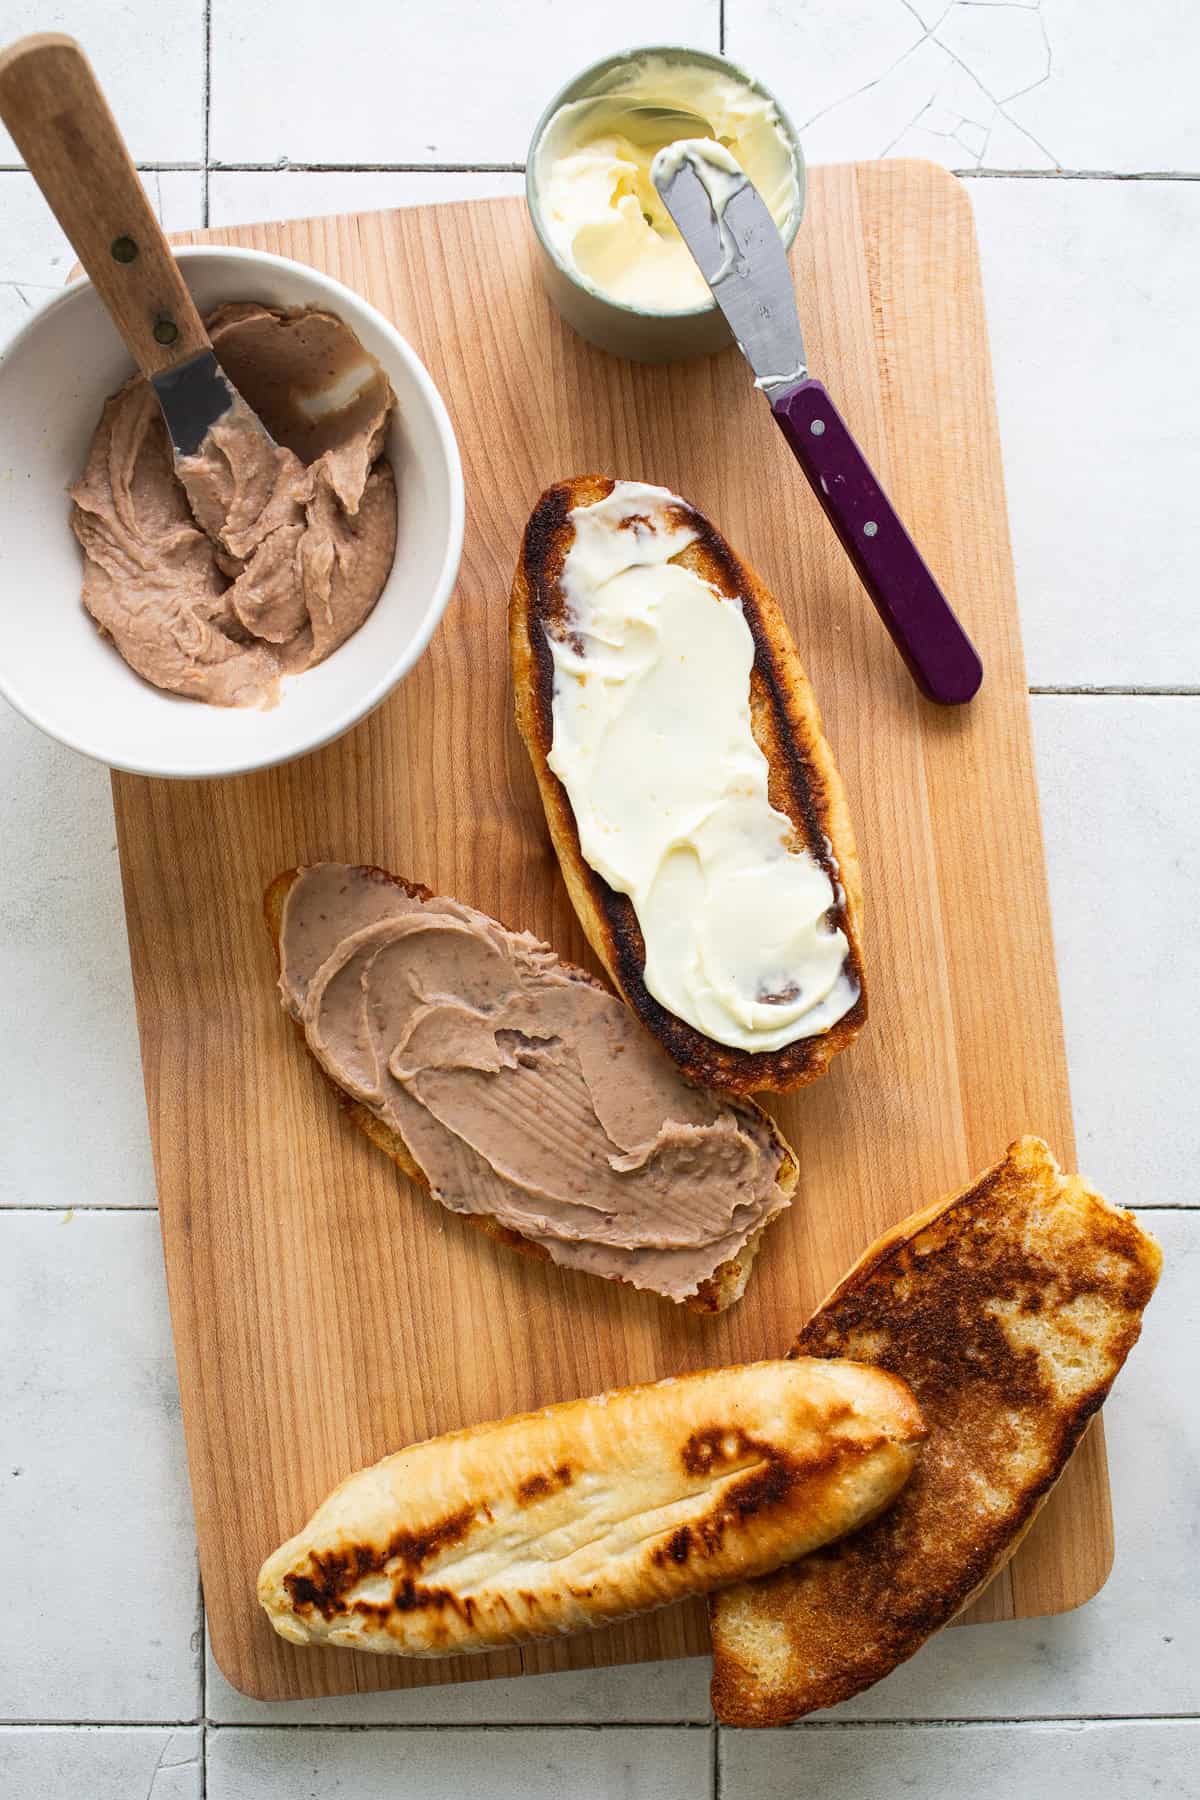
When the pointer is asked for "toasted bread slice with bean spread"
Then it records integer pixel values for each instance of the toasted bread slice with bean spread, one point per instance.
(717, 1291)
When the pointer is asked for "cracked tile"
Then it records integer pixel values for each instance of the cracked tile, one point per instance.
(960, 104)
(875, 121)
(1004, 47)
(101, 1763)
(821, 58)
(972, 137)
(1090, 84)
(924, 101)
(1008, 147)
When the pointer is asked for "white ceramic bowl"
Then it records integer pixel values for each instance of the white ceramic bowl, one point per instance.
(54, 665)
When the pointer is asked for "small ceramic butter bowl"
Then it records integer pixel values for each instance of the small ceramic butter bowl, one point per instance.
(610, 257)
(57, 669)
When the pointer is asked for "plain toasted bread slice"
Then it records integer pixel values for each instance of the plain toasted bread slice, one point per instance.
(804, 784)
(593, 1510)
(723, 1287)
(1009, 1309)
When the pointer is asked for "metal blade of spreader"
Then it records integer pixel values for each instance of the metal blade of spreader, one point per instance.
(741, 255)
(193, 396)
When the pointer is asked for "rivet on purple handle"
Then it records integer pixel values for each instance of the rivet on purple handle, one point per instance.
(940, 656)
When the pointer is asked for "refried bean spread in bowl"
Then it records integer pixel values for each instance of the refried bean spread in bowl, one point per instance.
(218, 574)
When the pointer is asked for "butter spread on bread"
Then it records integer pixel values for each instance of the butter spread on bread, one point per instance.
(699, 818)
(1009, 1309)
(521, 1090)
(592, 1510)
(653, 745)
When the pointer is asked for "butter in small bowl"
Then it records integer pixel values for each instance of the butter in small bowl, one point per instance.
(613, 261)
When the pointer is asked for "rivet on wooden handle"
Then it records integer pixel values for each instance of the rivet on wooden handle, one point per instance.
(61, 123)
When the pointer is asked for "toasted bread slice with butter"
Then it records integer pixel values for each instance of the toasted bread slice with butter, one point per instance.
(803, 784)
(1009, 1309)
(592, 1510)
(715, 1293)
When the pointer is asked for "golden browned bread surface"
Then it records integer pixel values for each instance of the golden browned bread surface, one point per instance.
(589, 1511)
(1009, 1309)
(804, 784)
(728, 1282)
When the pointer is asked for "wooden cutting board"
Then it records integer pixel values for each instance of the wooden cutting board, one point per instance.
(324, 1313)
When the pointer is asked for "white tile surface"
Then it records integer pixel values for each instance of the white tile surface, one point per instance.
(1120, 783)
(34, 255)
(1081, 84)
(246, 197)
(1090, 290)
(71, 1049)
(94, 1763)
(464, 84)
(149, 55)
(438, 1765)
(875, 79)
(666, 1693)
(97, 1563)
(985, 1762)
(1135, 1648)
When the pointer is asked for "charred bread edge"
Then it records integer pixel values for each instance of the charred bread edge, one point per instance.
(806, 785)
(730, 1690)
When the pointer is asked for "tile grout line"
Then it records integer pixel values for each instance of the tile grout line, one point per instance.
(716, 1759)
(74, 1207)
(1143, 692)
(283, 166)
(207, 107)
(797, 1730)
(1077, 174)
(203, 1686)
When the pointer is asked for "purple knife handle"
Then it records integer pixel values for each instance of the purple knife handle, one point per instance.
(940, 656)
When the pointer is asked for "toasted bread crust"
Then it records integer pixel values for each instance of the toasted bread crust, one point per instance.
(1009, 1309)
(804, 784)
(723, 1287)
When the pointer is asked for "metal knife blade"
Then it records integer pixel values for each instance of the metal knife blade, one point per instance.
(734, 240)
(193, 396)
(737, 245)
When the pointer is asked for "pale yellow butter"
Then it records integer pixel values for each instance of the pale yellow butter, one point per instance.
(653, 743)
(599, 207)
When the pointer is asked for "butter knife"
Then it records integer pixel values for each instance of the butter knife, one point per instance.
(724, 222)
